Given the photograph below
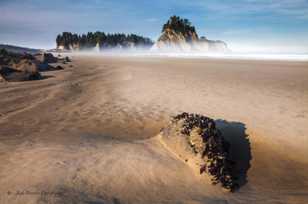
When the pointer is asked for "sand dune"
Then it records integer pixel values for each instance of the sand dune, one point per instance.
(88, 133)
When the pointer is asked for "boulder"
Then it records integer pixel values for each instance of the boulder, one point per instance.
(67, 59)
(22, 67)
(27, 65)
(25, 69)
(196, 140)
(7, 58)
(44, 67)
(19, 67)
(58, 67)
(46, 58)
(10, 74)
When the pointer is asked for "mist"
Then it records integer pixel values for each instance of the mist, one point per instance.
(251, 54)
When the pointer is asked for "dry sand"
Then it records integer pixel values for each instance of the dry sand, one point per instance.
(87, 134)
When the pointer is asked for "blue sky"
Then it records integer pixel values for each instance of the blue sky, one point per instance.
(246, 25)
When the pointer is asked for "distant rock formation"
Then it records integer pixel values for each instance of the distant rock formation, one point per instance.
(99, 40)
(179, 35)
(173, 40)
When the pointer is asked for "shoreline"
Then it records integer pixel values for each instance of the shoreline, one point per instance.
(194, 55)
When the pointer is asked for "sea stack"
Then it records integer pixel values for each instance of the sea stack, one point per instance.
(180, 35)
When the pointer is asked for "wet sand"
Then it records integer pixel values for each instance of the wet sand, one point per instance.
(88, 134)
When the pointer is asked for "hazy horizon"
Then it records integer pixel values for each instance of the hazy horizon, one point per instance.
(275, 26)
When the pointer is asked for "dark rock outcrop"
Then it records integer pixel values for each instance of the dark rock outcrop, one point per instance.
(195, 139)
(23, 67)
(18, 67)
(9, 74)
(26, 65)
(67, 59)
(46, 58)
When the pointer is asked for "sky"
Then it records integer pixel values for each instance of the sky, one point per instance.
(245, 25)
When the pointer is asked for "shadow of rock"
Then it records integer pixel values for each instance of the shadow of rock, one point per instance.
(240, 150)
(47, 77)
(45, 67)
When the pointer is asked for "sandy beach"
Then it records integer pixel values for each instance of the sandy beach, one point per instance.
(88, 133)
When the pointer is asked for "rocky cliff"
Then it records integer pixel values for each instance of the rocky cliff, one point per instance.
(179, 35)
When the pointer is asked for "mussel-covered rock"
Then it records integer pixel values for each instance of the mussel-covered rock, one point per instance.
(195, 139)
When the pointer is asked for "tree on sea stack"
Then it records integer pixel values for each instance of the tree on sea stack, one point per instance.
(179, 25)
(177, 35)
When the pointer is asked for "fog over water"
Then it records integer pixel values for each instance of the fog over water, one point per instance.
(141, 52)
